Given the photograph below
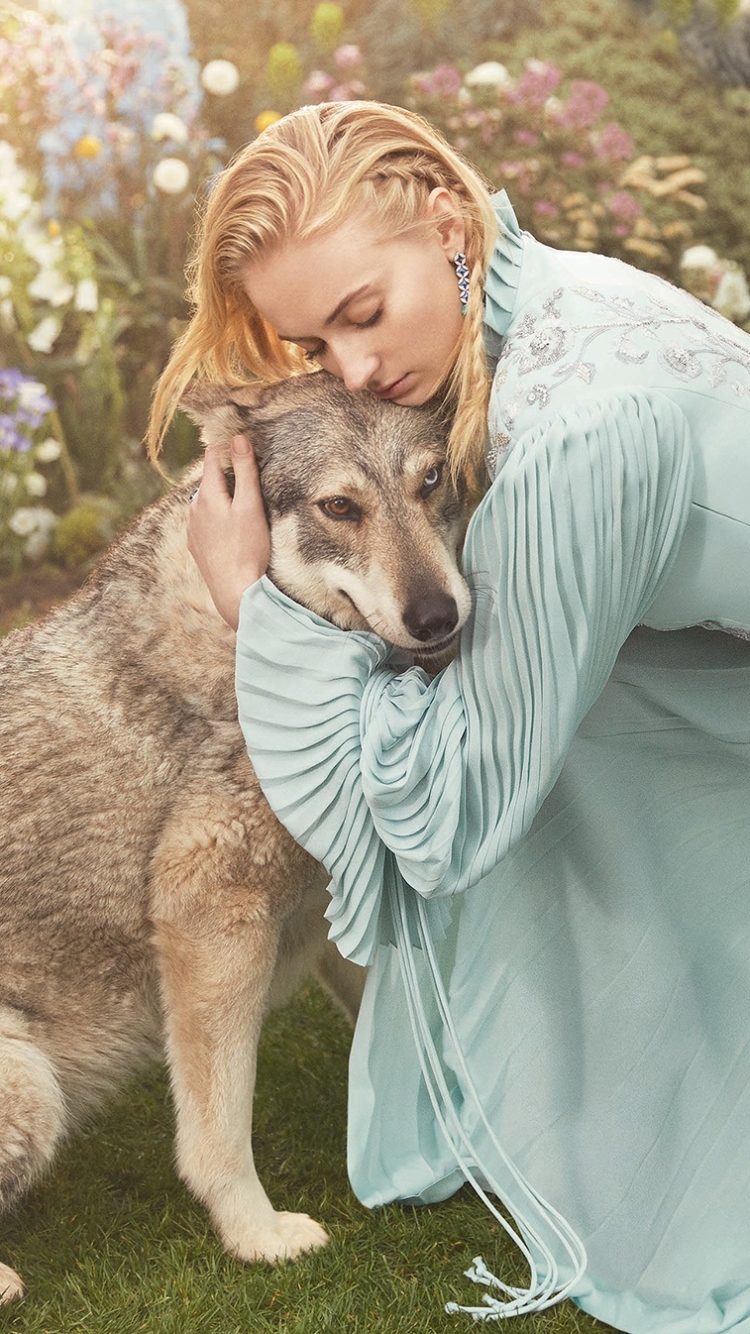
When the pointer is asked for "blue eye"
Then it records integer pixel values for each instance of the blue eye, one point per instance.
(431, 480)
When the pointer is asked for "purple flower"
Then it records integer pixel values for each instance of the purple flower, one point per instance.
(10, 436)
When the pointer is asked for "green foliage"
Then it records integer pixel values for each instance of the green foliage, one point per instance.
(84, 531)
(327, 26)
(283, 70)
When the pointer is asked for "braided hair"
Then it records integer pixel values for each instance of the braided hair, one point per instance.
(302, 177)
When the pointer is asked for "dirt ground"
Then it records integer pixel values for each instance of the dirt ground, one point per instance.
(25, 597)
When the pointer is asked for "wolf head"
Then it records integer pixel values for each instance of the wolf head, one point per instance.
(366, 522)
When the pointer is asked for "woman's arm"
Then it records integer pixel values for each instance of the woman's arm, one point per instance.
(565, 554)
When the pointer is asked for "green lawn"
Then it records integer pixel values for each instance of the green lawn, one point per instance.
(111, 1243)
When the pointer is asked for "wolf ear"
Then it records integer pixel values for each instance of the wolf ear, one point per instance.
(221, 410)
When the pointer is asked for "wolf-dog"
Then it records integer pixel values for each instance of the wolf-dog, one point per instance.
(150, 902)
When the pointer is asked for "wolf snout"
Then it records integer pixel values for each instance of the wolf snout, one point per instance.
(431, 617)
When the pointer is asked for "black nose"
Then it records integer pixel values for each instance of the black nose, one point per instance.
(432, 616)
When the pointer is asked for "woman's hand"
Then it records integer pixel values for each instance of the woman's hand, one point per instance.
(228, 537)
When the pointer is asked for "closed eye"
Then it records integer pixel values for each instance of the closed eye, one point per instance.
(315, 353)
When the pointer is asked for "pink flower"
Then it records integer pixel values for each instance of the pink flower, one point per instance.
(526, 137)
(573, 160)
(624, 206)
(538, 81)
(613, 144)
(543, 208)
(348, 56)
(586, 102)
(317, 84)
(444, 81)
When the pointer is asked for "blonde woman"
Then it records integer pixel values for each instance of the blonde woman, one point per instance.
(564, 808)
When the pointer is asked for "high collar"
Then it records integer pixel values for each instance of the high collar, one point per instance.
(503, 275)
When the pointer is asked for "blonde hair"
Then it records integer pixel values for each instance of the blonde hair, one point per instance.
(304, 176)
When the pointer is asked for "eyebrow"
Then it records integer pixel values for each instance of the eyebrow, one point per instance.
(343, 303)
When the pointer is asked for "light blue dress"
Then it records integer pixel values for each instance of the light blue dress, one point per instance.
(569, 800)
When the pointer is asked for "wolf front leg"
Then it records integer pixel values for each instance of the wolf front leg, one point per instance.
(223, 887)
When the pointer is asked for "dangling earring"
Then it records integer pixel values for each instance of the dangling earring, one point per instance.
(462, 274)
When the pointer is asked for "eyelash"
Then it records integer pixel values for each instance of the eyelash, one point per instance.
(315, 353)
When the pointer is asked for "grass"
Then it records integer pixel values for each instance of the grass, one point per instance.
(111, 1242)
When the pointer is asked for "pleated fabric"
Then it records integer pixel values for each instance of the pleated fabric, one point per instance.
(568, 801)
(597, 504)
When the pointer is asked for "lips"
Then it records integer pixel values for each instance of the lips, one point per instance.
(395, 389)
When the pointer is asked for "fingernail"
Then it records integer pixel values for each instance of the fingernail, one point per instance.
(241, 445)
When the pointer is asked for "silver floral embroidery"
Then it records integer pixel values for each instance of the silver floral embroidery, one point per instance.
(546, 346)
(682, 362)
(699, 346)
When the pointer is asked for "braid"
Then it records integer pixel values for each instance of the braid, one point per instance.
(469, 390)
(302, 177)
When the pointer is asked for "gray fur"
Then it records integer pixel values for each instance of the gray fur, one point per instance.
(150, 902)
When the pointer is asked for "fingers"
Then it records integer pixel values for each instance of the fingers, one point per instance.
(246, 474)
(227, 536)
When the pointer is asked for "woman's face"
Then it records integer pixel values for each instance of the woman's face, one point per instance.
(382, 314)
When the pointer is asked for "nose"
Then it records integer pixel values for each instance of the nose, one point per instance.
(356, 366)
(433, 616)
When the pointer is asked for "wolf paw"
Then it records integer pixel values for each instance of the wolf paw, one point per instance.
(11, 1287)
(283, 1238)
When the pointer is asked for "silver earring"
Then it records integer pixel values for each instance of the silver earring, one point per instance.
(462, 274)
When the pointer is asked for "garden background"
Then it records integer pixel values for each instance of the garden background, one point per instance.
(616, 125)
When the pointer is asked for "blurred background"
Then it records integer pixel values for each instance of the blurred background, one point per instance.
(615, 125)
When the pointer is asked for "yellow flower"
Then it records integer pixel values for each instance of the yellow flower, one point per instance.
(53, 228)
(264, 119)
(88, 146)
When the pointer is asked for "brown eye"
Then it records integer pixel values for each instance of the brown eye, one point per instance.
(339, 507)
(431, 479)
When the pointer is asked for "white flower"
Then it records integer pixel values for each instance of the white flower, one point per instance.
(35, 484)
(168, 126)
(31, 396)
(7, 314)
(15, 204)
(8, 483)
(699, 257)
(36, 545)
(732, 297)
(6, 286)
(23, 521)
(45, 249)
(171, 175)
(87, 295)
(43, 337)
(220, 77)
(48, 450)
(490, 74)
(30, 519)
(52, 286)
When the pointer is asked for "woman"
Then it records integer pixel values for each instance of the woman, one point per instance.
(562, 813)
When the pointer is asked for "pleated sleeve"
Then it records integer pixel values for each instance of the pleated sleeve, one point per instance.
(377, 769)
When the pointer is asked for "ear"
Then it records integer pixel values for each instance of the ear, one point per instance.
(445, 211)
(221, 411)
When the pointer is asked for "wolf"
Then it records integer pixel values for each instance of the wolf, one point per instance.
(151, 905)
